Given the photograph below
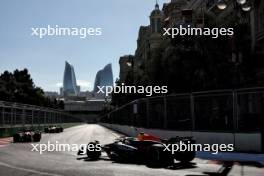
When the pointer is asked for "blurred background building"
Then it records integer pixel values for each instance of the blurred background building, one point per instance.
(193, 12)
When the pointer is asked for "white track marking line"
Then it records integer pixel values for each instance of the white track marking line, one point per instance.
(28, 170)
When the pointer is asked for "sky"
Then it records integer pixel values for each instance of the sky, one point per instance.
(45, 58)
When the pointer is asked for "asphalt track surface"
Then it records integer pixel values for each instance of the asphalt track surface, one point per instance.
(18, 159)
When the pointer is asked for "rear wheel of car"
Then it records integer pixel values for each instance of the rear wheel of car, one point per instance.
(93, 154)
(16, 137)
(27, 138)
(185, 157)
(36, 137)
(46, 130)
(113, 156)
(156, 157)
(60, 129)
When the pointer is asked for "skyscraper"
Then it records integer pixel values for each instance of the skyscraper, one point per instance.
(104, 77)
(70, 87)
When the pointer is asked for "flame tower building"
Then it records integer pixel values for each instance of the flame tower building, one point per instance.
(70, 87)
(104, 77)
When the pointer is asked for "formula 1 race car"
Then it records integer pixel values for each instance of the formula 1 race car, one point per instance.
(53, 129)
(27, 136)
(145, 149)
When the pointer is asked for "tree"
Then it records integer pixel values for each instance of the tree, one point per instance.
(19, 87)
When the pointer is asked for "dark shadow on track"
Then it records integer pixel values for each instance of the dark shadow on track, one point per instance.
(87, 159)
(82, 158)
(178, 166)
(175, 166)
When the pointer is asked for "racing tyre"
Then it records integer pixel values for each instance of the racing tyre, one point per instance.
(93, 155)
(16, 137)
(26, 138)
(36, 137)
(156, 157)
(46, 130)
(60, 129)
(113, 156)
(57, 130)
(185, 157)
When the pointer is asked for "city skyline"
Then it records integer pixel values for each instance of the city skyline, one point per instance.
(19, 49)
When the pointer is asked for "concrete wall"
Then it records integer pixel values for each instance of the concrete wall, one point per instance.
(243, 142)
(92, 106)
(87, 118)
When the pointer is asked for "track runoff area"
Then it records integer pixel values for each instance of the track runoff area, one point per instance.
(24, 158)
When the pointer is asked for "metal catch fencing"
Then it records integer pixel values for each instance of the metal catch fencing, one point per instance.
(15, 115)
(239, 110)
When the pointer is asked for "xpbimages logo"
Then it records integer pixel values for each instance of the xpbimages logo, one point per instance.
(60, 147)
(56, 30)
(213, 148)
(123, 89)
(193, 31)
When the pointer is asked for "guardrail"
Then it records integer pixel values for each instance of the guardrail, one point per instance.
(239, 110)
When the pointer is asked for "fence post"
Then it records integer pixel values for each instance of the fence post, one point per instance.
(47, 118)
(51, 118)
(39, 118)
(14, 120)
(32, 118)
(3, 116)
(165, 122)
(147, 113)
(23, 118)
(234, 100)
(11, 118)
(44, 118)
(111, 117)
(55, 117)
(192, 111)
(134, 113)
(235, 112)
